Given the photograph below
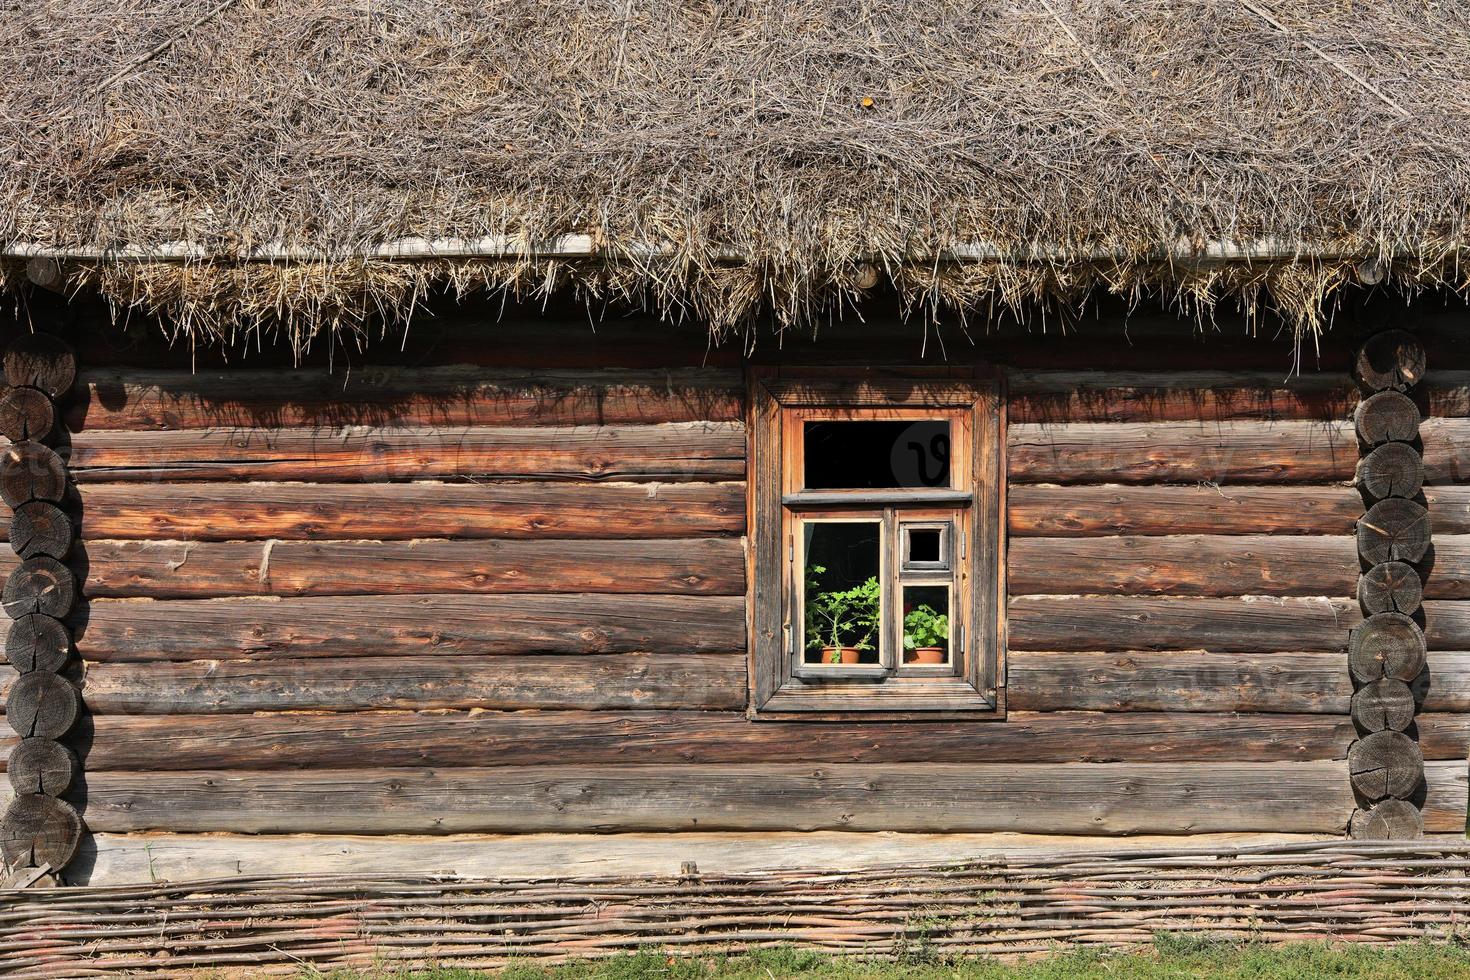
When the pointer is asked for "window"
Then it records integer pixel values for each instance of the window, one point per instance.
(876, 521)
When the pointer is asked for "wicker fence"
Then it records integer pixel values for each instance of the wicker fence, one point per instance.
(1348, 891)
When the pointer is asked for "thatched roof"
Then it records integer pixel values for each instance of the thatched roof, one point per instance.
(725, 158)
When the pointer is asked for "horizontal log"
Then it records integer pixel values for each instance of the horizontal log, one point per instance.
(629, 680)
(1215, 452)
(526, 738)
(1250, 624)
(318, 512)
(133, 859)
(1182, 452)
(450, 395)
(1138, 681)
(195, 570)
(387, 738)
(388, 626)
(1444, 735)
(1155, 396)
(1038, 681)
(1200, 565)
(1042, 395)
(1096, 511)
(1445, 393)
(1445, 801)
(1189, 681)
(1446, 627)
(683, 451)
(1185, 565)
(1073, 799)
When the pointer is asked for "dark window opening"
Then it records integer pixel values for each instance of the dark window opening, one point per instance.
(876, 455)
(924, 545)
(841, 592)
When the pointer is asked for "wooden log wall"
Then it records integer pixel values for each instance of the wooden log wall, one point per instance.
(39, 831)
(1387, 654)
(484, 598)
(1186, 544)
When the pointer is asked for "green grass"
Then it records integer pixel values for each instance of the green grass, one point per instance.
(1170, 958)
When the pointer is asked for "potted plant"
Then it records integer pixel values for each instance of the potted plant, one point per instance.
(925, 635)
(841, 624)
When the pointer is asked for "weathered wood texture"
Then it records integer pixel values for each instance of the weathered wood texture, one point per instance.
(1388, 416)
(173, 569)
(402, 738)
(133, 859)
(1042, 395)
(1391, 359)
(41, 705)
(1240, 625)
(37, 642)
(397, 511)
(1386, 704)
(1281, 681)
(348, 740)
(1072, 799)
(1178, 681)
(1061, 622)
(26, 413)
(1191, 638)
(1386, 764)
(1100, 511)
(40, 529)
(443, 626)
(31, 471)
(43, 361)
(1232, 452)
(41, 765)
(1198, 565)
(1391, 587)
(458, 395)
(1390, 820)
(629, 680)
(682, 451)
(463, 395)
(1239, 565)
(39, 830)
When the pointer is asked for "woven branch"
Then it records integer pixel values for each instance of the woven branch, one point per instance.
(1344, 891)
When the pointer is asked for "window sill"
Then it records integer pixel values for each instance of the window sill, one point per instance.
(839, 672)
(896, 698)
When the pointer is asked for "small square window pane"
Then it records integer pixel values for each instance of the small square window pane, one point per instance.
(926, 632)
(876, 455)
(841, 594)
(924, 545)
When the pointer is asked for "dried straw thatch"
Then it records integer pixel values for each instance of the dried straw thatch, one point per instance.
(725, 158)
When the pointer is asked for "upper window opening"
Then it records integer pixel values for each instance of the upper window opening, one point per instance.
(877, 455)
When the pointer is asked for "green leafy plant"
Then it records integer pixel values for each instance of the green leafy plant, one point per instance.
(845, 618)
(924, 627)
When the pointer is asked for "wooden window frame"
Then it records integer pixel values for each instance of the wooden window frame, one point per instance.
(780, 400)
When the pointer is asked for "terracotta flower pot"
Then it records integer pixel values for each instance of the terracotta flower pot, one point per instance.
(845, 655)
(929, 655)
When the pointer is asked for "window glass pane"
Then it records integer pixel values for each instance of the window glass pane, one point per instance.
(926, 638)
(841, 592)
(924, 545)
(876, 455)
